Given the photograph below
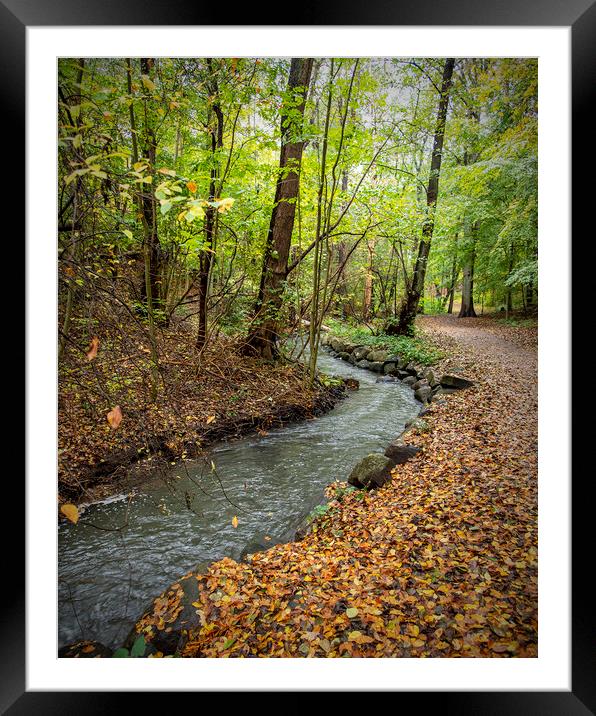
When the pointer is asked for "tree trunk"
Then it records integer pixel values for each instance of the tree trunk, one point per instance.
(368, 282)
(410, 303)
(262, 340)
(467, 294)
(153, 254)
(206, 256)
(342, 251)
(454, 274)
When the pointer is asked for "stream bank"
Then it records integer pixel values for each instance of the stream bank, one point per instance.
(225, 396)
(183, 518)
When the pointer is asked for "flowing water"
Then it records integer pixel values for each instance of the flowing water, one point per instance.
(184, 518)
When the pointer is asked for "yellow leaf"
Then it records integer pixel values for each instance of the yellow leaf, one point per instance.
(147, 83)
(70, 511)
(234, 521)
(194, 212)
(210, 419)
(224, 205)
(115, 417)
(412, 630)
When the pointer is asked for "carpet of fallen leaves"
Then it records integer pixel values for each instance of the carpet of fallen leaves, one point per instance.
(441, 562)
(202, 398)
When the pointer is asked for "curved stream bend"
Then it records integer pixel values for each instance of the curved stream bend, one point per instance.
(270, 483)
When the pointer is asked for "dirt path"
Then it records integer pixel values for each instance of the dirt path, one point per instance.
(441, 562)
(486, 335)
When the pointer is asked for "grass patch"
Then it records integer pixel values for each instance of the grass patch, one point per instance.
(413, 348)
(518, 322)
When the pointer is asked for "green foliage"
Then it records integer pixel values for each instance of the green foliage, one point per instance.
(410, 348)
(137, 650)
(382, 114)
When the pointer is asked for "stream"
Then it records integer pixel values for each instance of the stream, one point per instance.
(183, 519)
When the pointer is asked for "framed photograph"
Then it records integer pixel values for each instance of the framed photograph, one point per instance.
(46, 47)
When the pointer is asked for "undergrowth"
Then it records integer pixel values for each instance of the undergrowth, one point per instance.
(413, 348)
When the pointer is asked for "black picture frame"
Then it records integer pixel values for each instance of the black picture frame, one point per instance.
(580, 15)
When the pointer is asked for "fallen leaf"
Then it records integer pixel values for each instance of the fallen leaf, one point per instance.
(70, 511)
(115, 417)
(93, 348)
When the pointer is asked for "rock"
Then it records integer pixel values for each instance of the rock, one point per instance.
(324, 339)
(337, 345)
(411, 370)
(166, 621)
(387, 379)
(403, 374)
(433, 377)
(372, 471)
(399, 451)
(363, 364)
(251, 548)
(377, 355)
(302, 531)
(351, 383)
(377, 366)
(409, 380)
(85, 650)
(453, 381)
(423, 383)
(423, 394)
(391, 367)
(360, 352)
(344, 355)
(397, 359)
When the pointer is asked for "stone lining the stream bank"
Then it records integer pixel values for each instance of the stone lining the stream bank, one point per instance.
(425, 381)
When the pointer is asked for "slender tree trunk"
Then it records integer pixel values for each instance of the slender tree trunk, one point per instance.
(262, 340)
(73, 239)
(342, 251)
(152, 247)
(509, 296)
(206, 256)
(454, 273)
(409, 306)
(529, 294)
(467, 295)
(368, 281)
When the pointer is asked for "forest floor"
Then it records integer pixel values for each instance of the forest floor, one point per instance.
(219, 394)
(440, 562)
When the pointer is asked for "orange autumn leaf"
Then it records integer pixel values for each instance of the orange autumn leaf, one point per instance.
(192, 186)
(115, 417)
(93, 348)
